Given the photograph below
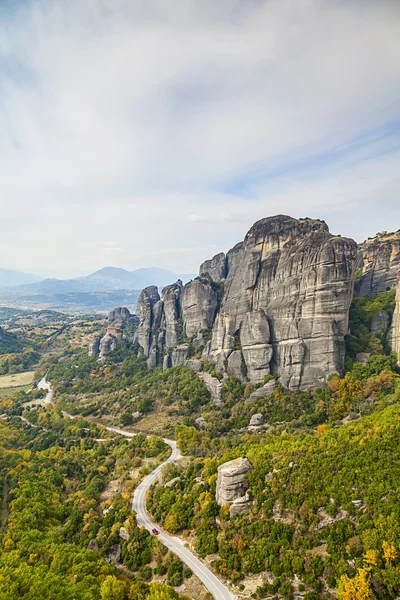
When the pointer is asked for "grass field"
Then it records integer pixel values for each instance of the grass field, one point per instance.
(16, 380)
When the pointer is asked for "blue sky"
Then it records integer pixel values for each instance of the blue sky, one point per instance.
(155, 133)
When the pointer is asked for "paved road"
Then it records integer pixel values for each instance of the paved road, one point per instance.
(45, 385)
(218, 590)
(212, 583)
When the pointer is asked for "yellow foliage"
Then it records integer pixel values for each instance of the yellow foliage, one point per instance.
(389, 551)
(171, 523)
(357, 588)
(371, 557)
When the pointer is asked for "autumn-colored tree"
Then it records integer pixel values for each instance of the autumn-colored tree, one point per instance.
(357, 588)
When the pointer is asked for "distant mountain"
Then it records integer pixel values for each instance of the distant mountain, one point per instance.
(99, 291)
(11, 277)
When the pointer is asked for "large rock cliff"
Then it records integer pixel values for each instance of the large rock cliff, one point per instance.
(287, 294)
(395, 327)
(379, 259)
(277, 303)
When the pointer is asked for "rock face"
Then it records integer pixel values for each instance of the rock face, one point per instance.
(94, 347)
(215, 267)
(287, 294)
(117, 319)
(277, 303)
(380, 262)
(231, 482)
(380, 322)
(199, 305)
(395, 328)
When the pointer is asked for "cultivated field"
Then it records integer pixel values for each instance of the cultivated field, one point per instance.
(16, 380)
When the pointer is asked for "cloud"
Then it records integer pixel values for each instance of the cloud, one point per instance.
(160, 124)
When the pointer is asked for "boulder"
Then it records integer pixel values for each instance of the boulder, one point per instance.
(257, 420)
(213, 385)
(123, 534)
(263, 391)
(200, 423)
(113, 554)
(231, 481)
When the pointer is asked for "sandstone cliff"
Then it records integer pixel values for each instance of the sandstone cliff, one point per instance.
(395, 327)
(379, 259)
(277, 303)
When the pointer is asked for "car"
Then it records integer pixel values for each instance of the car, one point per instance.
(155, 531)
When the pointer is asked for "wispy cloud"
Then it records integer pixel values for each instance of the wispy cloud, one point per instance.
(159, 124)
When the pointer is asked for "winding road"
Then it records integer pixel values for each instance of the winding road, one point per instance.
(218, 590)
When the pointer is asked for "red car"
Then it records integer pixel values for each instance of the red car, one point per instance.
(155, 531)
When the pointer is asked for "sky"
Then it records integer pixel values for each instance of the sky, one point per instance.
(139, 133)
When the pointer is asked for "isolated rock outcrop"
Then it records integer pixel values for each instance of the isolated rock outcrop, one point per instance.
(121, 313)
(231, 481)
(380, 262)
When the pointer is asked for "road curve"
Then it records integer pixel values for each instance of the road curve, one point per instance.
(218, 590)
(212, 583)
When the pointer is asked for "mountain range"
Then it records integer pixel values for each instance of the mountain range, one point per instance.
(108, 278)
(97, 292)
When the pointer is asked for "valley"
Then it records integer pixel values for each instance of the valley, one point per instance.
(290, 470)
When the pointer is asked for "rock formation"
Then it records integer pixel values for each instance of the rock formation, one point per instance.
(287, 294)
(118, 318)
(277, 303)
(380, 262)
(231, 482)
(395, 327)
(380, 322)
(94, 347)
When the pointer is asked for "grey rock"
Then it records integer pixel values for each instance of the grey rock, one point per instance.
(172, 483)
(121, 313)
(231, 481)
(263, 391)
(395, 328)
(123, 534)
(257, 420)
(94, 347)
(113, 554)
(167, 364)
(171, 296)
(239, 506)
(199, 305)
(144, 334)
(92, 544)
(380, 322)
(362, 358)
(215, 267)
(200, 423)
(287, 292)
(380, 261)
(111, 339)
(194, 364)
(179, 355)
(235, 364)
(301, 278)
(213, 385)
